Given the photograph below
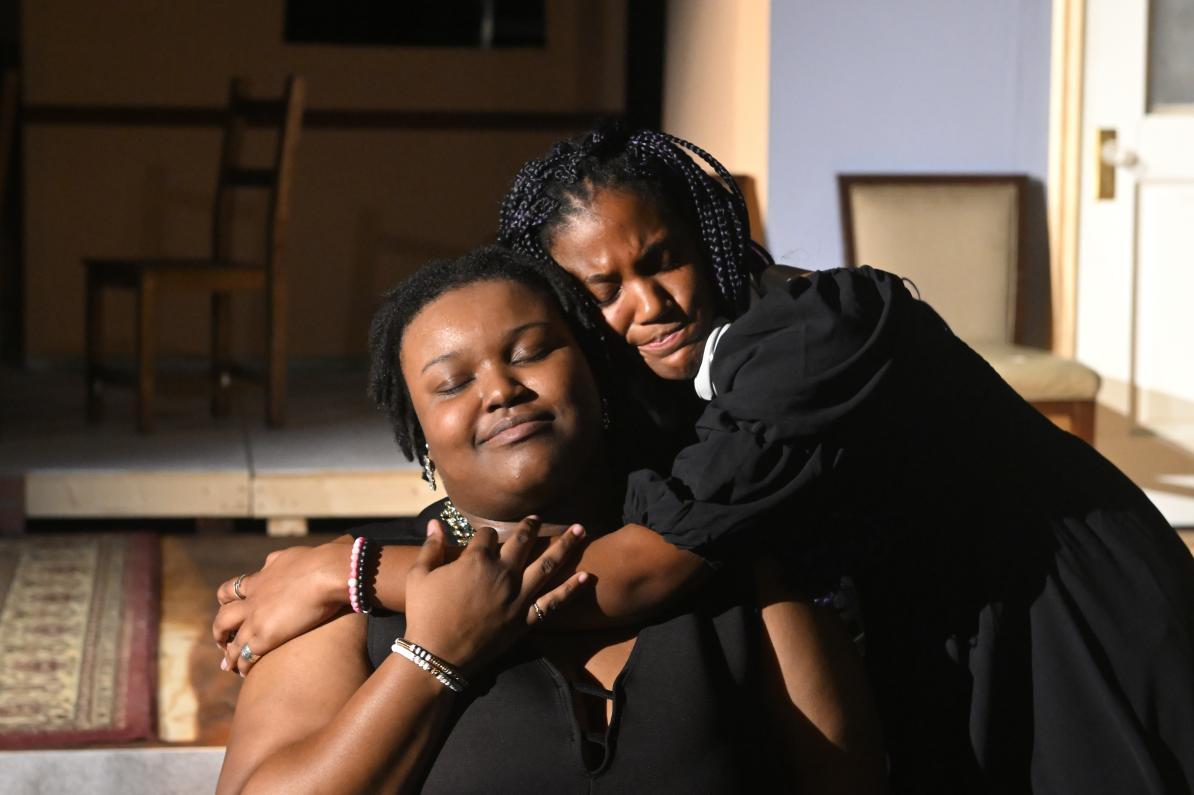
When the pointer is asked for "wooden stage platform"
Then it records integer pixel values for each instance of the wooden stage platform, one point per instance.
(335, 459)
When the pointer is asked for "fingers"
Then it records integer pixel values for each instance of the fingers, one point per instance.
(228, 620)
(224, 593)
(539, 573)
(236, 660)
(553, 599)
(518, 545)
(227, 591)
(484, 542)
(431, 555)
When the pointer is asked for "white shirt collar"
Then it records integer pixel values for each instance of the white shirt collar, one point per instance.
(704, 385)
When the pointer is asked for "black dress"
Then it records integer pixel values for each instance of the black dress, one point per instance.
(1029, 613)
(686, 717)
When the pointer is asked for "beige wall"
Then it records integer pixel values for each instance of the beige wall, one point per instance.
(368, 206)
(717, 81)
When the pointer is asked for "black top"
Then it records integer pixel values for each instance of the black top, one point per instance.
(1029, 614)
(685, 717)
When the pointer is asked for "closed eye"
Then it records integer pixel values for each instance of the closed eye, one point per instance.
(452, 387)
(607, 297)
(532, 355)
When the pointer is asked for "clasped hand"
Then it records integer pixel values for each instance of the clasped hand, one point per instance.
(469, 607)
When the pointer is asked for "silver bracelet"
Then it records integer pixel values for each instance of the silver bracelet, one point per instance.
(447, 676)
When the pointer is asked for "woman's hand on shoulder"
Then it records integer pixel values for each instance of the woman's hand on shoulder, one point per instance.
(296, 590)
(473, 608)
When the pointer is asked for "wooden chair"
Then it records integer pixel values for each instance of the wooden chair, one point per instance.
(219, 275)
(960, 239)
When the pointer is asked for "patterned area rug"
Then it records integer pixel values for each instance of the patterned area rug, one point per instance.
(78, 635)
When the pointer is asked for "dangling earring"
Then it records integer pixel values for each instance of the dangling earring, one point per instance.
(428, 467)
(604, 414)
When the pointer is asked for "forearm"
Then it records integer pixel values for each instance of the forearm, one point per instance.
(637, 575)
(380, 740)
(394, 562)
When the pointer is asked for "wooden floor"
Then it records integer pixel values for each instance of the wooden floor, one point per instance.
(195, 697)
(335, 458)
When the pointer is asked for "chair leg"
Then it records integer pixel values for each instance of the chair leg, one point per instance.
(94, 328)
(221, 352)
(146, 348)
(1084, 420)
(275, 388)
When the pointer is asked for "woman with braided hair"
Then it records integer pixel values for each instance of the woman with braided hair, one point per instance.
(489, 362)
(1029, 614)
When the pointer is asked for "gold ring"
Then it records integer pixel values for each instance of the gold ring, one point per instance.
(236, 586)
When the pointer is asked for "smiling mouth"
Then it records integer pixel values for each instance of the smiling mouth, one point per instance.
(515, 429)
(665, 344)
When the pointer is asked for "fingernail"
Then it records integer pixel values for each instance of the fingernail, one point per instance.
(582, 577)
(533, 519)
(577, 531)
(224, 664)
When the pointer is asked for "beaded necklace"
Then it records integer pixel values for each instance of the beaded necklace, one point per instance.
(462, 532)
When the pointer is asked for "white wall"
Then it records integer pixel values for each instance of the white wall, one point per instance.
(917, 85)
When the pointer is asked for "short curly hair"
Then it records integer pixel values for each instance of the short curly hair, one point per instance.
(401, 303)
(656, 166)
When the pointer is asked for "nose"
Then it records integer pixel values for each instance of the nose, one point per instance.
(501, 388)
(652, 301)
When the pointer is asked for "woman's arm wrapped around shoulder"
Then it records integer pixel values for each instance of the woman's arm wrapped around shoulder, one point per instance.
(300, 588)
(636, 574)
(312, 718)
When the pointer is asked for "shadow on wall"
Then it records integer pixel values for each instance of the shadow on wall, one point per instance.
(1036, 287)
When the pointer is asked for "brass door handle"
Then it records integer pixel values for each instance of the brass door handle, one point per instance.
(1110, 156)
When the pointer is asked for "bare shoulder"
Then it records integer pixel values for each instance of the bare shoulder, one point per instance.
(293, 692)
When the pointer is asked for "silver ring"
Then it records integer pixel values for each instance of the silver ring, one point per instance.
(247, 654)
(236, 586)
(538, 612)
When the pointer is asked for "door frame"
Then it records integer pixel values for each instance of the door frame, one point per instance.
(1067, 70)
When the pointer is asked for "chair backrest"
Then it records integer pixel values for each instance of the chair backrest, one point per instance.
(284, 116)
(957, 237)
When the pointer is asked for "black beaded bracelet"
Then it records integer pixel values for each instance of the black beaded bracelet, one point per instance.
(362, 571)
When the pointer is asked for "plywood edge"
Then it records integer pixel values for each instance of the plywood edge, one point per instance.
(333, 493)
(183, 493)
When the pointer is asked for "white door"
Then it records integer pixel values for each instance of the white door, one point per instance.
(1135, 321)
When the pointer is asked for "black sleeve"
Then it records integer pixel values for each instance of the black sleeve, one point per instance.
(407, 532)
(792, 374)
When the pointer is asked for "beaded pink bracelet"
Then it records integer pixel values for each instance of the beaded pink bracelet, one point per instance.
(356, 586)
